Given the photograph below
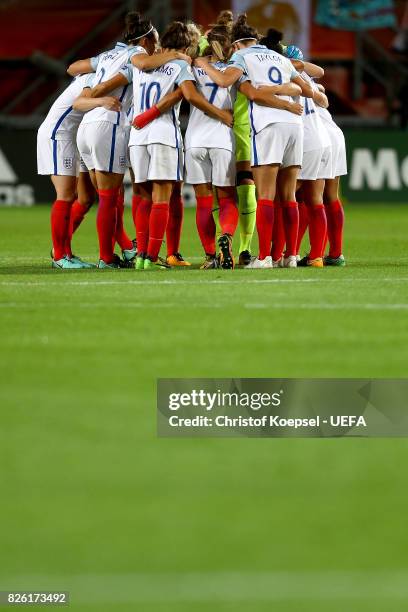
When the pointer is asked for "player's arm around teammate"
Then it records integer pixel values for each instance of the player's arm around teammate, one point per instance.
(244, 178)
(264, 96)
(58, 157)
(156, 150)
(287, 212)
(331, 194)
(210, 157)
(103, 138)
(87, 191)
(316, 167)
(276, 134)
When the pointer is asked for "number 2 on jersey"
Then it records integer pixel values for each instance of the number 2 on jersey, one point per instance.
(146, 101)
(102, 73)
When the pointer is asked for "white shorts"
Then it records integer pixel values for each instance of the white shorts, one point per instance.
(82, 166)
(339, 159)
(156, 162)
(316, 164)
(103, 146)
(128, 164)
(216, 166)
(59, 157)
(326, 164)
(278, 143)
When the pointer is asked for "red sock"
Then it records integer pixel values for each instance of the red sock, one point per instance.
(326, 238)
(205, 223)
(78, 212)
(159, 217)
(114, 233)
(136, 199)
(228, 215)
(60, 215)
(142, 224)
(106, 222)
(121, 236)
(317, 230)
(174, 225)
(335, 225)
(303, 224)
(264, 225)
(291, 224)
(278, 235)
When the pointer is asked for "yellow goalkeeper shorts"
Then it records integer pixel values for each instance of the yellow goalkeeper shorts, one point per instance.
(242, 142)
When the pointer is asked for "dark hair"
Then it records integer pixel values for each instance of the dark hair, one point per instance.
(176, 36)
(219, 40)
(225, 18)
(272, 40)
(241, 29)
(136, 27)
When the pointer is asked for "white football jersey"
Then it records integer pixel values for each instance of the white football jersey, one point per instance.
(148, 89)
(62, 120)
(111, 63)
(325, 114)
(265, 67)
(315, 134)
(202, 130)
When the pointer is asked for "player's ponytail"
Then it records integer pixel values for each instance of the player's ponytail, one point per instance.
(195, 34)
(273, 40)
(137, 28)
(242, 31)
(219, 40)
(176, 36)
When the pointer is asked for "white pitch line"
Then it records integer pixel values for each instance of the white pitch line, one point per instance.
(210, 306)
(241, 281)
(127, 306)
(326, 306)
(217, 587)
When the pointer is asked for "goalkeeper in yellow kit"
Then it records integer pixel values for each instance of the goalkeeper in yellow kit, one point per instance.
(245, 184)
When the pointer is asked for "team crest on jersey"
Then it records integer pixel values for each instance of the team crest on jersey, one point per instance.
(122, 160)
(68, 163)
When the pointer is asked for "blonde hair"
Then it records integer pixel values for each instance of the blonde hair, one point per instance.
(219, 41)
(195, 35)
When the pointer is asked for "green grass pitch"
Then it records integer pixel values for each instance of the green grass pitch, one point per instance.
(93, 502)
